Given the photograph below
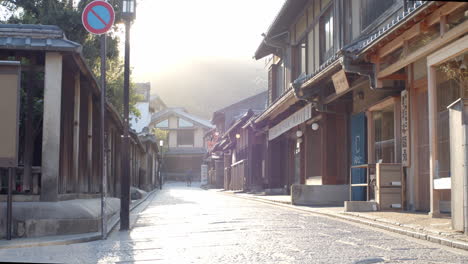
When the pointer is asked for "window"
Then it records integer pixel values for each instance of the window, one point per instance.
(326, 32)
(373, 9)
(448, 91)
(279, 86)
(301, 60)
(384, 145)
(163, 124)
(184, 123)
(185, 137)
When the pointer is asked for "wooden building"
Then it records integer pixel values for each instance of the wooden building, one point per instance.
(59, 144)
(186, 143)
(225, 149)
(425, 52)
(386, 88)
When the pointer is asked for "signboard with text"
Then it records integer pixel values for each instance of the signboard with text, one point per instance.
(10, 83)
(340, 81)
(293, 120)
(405, 135)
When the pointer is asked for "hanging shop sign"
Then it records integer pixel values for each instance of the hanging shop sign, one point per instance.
(293, 120)
(10, 80)
(340, 82)
(405, 135)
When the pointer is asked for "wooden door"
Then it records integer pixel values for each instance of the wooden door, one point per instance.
(358, 155)
(422, 182)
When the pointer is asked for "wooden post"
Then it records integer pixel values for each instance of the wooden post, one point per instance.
(90, 142)
(397, 129)
(9, 203)
(29, 132)
(433, 140)
(76, 135)
(370, 138)
(51, 127)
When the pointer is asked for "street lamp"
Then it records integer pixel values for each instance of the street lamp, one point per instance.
(161, 144)
(128, 9)
(128, 14)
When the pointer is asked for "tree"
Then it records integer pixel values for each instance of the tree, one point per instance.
(161, 135)
(68, 17)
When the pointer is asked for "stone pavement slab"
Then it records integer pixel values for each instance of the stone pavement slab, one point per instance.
(413, 224)
(188, 225)
(112, 223)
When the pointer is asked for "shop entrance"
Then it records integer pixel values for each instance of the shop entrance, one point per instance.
(358, 155)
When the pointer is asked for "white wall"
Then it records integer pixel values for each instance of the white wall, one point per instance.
(145, 118)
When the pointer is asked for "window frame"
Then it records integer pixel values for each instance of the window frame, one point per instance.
(325, 17)
(192, 131)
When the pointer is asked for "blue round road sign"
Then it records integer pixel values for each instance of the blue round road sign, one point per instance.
(98, 17)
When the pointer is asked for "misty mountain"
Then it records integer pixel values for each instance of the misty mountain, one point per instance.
(206, 85)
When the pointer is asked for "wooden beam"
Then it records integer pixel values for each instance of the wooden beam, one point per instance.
(426, 50)
(378, 82)
(398, 42)
(382, 104)
(396, 76)
(452, 50)
(443, 11)
(443, 25)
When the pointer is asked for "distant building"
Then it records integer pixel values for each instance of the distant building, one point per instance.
(147, 105)
(225, 117)
(227, 149)
(187, 147)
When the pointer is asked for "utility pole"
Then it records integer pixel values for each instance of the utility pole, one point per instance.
(128, 15)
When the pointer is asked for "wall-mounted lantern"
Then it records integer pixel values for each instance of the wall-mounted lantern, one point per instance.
(299, 133)
(315, 126)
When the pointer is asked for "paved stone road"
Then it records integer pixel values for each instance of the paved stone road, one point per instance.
(189, 225)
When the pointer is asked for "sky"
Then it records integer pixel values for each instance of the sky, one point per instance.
(168, 34)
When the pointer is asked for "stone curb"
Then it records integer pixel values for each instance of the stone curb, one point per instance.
(78, 238)
(387, 225)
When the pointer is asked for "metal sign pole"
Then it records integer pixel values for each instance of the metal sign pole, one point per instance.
(9, 202)
(103, 137)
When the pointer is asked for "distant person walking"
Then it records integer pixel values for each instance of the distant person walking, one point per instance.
(188, 177)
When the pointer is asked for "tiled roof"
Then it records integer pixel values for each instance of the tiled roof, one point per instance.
(35, 37)
(179, 111)
(360, 46)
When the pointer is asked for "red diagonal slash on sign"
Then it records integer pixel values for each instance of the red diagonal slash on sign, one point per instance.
(98, 17)
(89, 10)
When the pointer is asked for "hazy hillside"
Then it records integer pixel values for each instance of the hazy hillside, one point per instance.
(207, 85)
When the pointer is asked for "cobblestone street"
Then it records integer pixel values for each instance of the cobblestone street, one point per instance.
(190, 225)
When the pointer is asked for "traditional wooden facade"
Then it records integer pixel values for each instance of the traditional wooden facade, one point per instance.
(426, 53)
(386, 87)
(233, 148)
(186, 143)
(60, 154)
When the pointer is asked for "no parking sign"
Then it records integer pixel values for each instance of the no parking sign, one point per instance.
(98, 17)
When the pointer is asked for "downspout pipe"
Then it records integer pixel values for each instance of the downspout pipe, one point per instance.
(365, 69)
(465, 165)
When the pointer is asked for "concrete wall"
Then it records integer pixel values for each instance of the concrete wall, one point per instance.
(319, 194)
